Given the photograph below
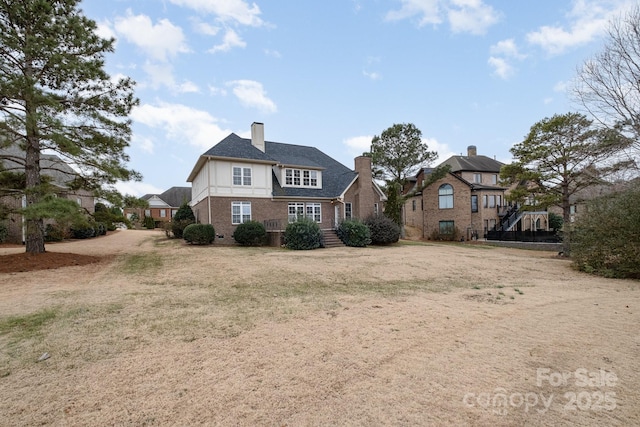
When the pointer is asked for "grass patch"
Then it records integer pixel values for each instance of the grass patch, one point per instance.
(28, 326)
(141, 263)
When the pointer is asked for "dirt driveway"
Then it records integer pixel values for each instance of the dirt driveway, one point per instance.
(160, 333)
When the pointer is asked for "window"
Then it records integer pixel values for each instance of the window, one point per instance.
(300, 178)
(300, 210)
(499, 200)
(477, 178)
(413, 205)
(375, 209)
(147, 212)
(240, 212)
(241, 176)
(494, 179)
(163, 213)
(296, 210)
(485, 203)
(474, 203)
(174, 212)
(347, 211)
(313, 212)
(445, 196)
(447, 227)
(492, 201)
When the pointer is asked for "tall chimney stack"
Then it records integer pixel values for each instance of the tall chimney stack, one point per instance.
(257, 135)
(472, 151)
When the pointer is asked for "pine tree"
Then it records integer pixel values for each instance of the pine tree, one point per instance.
(56, 96)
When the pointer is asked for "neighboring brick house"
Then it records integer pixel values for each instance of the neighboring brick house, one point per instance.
(162, 207)
(61, 175)
(466, 203)
(242, 179)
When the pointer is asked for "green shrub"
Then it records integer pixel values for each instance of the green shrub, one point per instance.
(54, 233)
(199, 234)
(304, 234)
(149, 223)
(83, 231)
(4, 232)
(177, 226)
(101, 229)
(384, 231)
(449, 237)
(184, 212)
(250, 233)
(605, 239)
(354, 233)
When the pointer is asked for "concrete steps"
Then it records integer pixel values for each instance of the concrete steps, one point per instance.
(331, 239)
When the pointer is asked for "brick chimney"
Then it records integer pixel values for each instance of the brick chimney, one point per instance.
(472, 151)
(365, 196)
(257, 135)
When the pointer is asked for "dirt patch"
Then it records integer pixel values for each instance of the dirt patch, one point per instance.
(419, 333)
(25, 262)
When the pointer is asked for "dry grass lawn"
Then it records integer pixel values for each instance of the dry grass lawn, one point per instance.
(161, 333)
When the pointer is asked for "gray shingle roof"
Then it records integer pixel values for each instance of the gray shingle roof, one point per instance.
(473, 163)
(50, 165)
(335, 176)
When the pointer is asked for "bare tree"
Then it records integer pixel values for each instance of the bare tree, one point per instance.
(608, 84)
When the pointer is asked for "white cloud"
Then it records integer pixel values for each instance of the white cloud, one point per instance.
(272, 53)
(428, 10)
(161, 75)
(226, 10)
(507, 48)
(372, 75)
(443, 150)
(213, 90)
(501, 67)
(145, 144)
(251, 94)
(105, 31)
(471, 16)
(588, 20)
(464, 16)
(182, 124)
(230, 40)
(358, 144)
(159, 41)
(205, 28)
(561, 87)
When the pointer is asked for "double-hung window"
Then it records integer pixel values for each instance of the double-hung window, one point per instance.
(241, 176)
(445, 196)
(240, 212)
(312, 211)
(347, 211)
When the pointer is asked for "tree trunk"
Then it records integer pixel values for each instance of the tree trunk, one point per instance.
(566, 221)
(35, 227)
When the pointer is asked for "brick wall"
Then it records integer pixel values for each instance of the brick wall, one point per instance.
(460, 214)
(261, 210)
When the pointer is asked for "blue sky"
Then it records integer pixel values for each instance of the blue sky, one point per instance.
(334, 73)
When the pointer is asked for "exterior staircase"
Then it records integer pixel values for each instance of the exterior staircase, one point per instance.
(331, 239)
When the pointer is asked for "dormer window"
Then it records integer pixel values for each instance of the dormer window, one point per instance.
(301, 178)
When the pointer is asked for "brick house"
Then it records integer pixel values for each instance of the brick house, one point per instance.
(61, 176)
(241, 179)
(466, 203)
(162, 207)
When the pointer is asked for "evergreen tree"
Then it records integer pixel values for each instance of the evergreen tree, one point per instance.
(56, 96)
(560, 156)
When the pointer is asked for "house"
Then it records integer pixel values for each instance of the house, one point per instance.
(61, 176)
(162, 207)
(242, 179)
(466, 204)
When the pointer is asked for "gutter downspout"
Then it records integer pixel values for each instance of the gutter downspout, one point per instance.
(209, 191)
